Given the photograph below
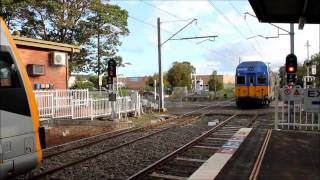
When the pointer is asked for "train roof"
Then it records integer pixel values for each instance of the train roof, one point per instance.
(252, 66)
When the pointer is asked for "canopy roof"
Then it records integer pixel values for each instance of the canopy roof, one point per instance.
(287, 11)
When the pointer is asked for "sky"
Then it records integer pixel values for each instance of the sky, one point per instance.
(223, 18)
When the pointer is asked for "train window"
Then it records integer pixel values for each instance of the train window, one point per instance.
(241, 80)
(251, 80)
(12, 94)
(8, 72)
(262, 80)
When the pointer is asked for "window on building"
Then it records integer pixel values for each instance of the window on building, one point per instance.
(241, 80)
(262, 80)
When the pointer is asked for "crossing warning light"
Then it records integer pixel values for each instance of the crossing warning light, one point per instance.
(291, 63)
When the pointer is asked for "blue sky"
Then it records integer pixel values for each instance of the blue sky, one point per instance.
(223, 18)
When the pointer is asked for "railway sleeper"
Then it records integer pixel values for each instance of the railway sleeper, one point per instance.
(196, 153)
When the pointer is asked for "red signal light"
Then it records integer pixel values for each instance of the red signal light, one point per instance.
(291, 69)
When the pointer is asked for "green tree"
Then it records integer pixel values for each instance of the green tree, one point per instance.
(107, 22)
(179, 75)
(150, 81)
(9, 11)
(215, 84)
(73, 22)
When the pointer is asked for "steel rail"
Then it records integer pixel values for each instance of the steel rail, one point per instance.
(181, 149)
(170, 156)
(93, 142)
(118, 134)
(257, 165)
(50, 171)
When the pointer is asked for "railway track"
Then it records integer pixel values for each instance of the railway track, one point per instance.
(257, 165)
(59, 160)
(181, 163)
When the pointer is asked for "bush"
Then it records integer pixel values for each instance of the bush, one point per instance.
(83, 85)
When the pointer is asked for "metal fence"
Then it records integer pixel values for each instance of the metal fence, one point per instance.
(77, 104)
(293, 113)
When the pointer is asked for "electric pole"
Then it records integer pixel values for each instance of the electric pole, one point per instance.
(307, 45)
(161, 94)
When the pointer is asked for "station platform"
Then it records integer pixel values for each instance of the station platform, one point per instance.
(289, 155)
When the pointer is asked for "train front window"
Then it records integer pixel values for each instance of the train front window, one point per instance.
(241, 80)
(13, 97)
(262, 80)
(251, 80)
(8, 72)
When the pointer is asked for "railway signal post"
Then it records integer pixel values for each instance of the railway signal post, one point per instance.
(112, 73)
(291, 69)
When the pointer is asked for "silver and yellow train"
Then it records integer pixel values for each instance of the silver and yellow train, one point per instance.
(20, 146)
(254, 84)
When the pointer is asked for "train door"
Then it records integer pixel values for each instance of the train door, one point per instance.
(251, 85)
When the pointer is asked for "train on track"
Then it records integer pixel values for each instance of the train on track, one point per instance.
(254, 84)
(21, 138)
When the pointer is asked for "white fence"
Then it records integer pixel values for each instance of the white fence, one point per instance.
(77, 104)
(292, 112)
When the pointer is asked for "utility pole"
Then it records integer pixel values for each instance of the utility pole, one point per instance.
(291, 38)
(307, 45)
(99, 60)
(239, 60)
(161, 94)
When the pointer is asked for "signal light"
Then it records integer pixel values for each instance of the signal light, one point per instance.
(291, 63)
(112, 68)
(291, 69)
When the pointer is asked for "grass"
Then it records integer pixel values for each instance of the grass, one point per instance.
(144, 119)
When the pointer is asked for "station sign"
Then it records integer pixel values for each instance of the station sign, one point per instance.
(312, 100)
(292, 94)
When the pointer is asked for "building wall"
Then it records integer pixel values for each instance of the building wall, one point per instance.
(136, 83)
(229, 79)
(56, 75)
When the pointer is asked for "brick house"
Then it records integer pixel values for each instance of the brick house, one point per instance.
(46, 62)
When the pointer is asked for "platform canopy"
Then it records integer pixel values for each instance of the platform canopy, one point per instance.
(287, 11)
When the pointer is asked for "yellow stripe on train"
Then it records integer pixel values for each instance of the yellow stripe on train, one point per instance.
(252, 91)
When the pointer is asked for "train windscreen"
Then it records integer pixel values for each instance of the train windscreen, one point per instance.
(12, 94)
(262, 80)
(241, 80)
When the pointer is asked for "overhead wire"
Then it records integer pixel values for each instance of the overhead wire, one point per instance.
(235, 27)
(176, 16)
(248, 26)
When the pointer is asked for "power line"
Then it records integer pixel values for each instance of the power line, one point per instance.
(247, 24)
(180, 19)
(188, 40)
(234, 26)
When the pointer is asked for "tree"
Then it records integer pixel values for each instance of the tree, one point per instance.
(108, 22)
(73, 22)
(150, 81)
(215, 84)
(10, 9)
(179, 75)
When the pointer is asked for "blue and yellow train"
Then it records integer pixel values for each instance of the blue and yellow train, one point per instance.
(254, 84)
